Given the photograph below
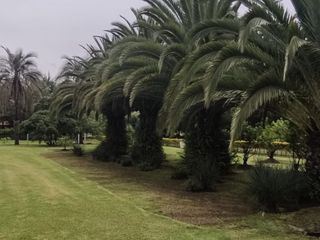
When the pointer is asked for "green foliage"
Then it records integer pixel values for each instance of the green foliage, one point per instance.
(249, 137)
(40, 128)
(276, 131)
(297, 140)
(5, 140)
(276, 188)
(20, 84)
(90, 124)
(183, 56)
(67, 126)
(272, 134)
(65, 142)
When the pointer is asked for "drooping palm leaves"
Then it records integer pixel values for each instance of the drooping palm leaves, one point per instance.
(278, 50)
(186, 63)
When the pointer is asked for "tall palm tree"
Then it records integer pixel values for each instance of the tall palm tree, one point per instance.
(206, 28)
(81, 88)
(130, 73)
(281, 53)
(150, 59)
(21, 78)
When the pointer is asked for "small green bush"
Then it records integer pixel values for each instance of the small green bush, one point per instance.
(77, 150)
(276, 188)
(65, 142)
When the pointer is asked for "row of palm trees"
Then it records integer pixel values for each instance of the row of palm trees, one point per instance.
(188, 65)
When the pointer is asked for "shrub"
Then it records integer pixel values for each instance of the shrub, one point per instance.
(65, 142)
(276, 188)
(273, 137)
(249, 141)
(40, 127)
(5, 140)
(77, 150)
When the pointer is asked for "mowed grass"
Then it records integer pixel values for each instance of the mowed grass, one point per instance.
(40, 199)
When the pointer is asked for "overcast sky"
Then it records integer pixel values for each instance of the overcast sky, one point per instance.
(55, 28)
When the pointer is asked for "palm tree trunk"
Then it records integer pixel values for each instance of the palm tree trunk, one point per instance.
(81, 138)
(16, 117)
(313, 160)
(246, 154)
(147, 150)
(16, 132)
(116, 142)
(116, 133)
(206, 154)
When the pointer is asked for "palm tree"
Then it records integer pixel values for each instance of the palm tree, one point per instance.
(206, 28)
(130, 74)
(280, 52)
(146, 63)
(82, 93)
(20, 77)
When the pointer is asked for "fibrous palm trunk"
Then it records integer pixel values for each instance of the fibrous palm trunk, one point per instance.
(313, 161)
(206, 154)
(147, 150)
(16, 117)
(116, 143)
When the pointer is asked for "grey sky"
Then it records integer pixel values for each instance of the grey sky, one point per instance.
(54, 28)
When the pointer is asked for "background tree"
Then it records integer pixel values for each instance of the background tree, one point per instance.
(249, 140)
(20, 77)
(40, 127)
(273, 136)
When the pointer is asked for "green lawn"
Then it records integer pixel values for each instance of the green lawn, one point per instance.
(40, 199)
